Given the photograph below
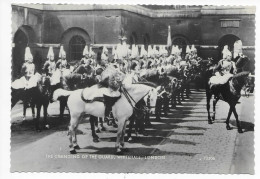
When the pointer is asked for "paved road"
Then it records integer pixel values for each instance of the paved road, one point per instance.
(181, 143)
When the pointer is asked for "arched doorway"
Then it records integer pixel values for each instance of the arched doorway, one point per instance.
(74, 40)
(20, 43)
(76, 47)
(181, 41)
(229, 40)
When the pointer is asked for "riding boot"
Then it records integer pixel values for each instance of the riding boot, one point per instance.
(109, 102)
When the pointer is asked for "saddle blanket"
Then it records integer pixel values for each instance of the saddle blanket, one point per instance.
(218, 79)
(94, 92)
(22, 83)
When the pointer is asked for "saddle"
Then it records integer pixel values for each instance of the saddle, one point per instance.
(215, 87)
(99, 95)
(219, 80)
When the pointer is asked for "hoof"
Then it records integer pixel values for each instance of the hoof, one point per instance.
(46, 127)
(96, 140)
(98, 131)
(145, 133)
(73, 151)
(76, 147)
(115, 125)
(210, 122)
(240, 131)
(124, 149)
(130, 139)
(228, 128)
(119, 152)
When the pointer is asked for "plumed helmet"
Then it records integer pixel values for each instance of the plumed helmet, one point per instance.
(62, 52)
(28, 55)
(188, 50)
(226, 52)
(85, 51)
(50, 53)
(193, 49)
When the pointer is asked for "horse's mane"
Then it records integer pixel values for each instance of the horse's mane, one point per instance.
(241, 74)
(147, 83)
(242, 62)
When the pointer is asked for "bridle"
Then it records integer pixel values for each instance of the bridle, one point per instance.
(130, 100)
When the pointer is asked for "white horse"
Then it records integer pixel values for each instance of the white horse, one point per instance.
(121, 110)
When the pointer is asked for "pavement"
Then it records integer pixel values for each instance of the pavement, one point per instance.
(182, 142)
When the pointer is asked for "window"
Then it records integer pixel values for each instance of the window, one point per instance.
(76, 47)
(229, 23)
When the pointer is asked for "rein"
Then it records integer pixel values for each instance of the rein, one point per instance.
(130, 99)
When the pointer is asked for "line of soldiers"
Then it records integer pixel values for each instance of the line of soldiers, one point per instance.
(126, 60)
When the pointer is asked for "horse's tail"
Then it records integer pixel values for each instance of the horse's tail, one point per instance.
(61, 92)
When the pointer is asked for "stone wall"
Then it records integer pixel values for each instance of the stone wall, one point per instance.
(45, 27)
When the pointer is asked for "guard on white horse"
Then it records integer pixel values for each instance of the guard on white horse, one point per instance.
(88, 101)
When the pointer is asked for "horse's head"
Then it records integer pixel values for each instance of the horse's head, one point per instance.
(240, 79)
(44, 85)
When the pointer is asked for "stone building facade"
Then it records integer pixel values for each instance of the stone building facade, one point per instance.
(208, 27)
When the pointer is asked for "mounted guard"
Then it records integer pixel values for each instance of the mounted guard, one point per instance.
(49, 66)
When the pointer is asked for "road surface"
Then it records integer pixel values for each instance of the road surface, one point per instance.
(183, 142)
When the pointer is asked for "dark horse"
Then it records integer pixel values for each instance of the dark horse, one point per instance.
(38, 95)
(230, 93)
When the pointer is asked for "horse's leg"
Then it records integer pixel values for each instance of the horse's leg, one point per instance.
(101, 122)
(24, 108)
(45, 114)
(237, 121)
(174, 99)
(92, 125)
(74, 139)
(147, 119)
(122, 142)
(62, 107)
(130, 126)
(208, 95)
(141, 126)
(188, 92)
(179, 96)
(158, 109)
(96, 125)
(72, 133)
(214, 107)
(120, 128)
(32, 107)
(38, 106)
(182, 92)
(165, 105)
(228, 117)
